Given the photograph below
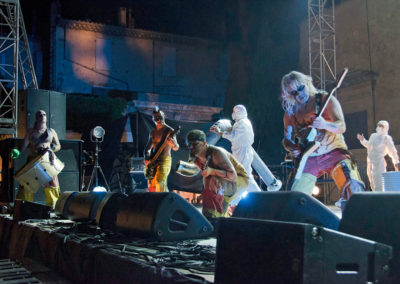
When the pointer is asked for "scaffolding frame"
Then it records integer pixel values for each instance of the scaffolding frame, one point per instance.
(322, 48)
(14, 55)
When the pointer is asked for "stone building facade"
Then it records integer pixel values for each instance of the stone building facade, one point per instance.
(95, 58)
(367, 40)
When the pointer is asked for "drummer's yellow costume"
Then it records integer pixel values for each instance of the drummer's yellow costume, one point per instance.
(41, 140)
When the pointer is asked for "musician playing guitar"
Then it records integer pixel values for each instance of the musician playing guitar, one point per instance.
(158, 153)
(301, 102)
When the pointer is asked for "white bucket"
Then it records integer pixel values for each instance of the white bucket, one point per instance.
(391, 181)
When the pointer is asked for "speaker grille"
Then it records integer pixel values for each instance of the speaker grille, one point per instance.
(162, 216)
(286, 206)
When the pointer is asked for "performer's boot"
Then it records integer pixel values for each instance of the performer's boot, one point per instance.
(24, 194)
(52, 194)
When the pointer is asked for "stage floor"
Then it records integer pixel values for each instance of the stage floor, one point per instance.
(82, 253)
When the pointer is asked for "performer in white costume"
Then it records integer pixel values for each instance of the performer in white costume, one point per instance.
(379, 145)
(241, 136)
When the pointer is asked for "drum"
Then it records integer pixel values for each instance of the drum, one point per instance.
(391, 181)
(35, 174)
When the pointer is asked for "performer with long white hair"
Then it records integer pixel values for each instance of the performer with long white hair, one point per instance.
(301, 102)
(379, 145)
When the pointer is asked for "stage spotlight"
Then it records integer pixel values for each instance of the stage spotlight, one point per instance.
(97, 134)
(99, 189)
(315, 191)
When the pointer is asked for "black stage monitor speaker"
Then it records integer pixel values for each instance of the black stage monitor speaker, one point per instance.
(63, 202)
(24, 210)
(261, 251)
(161, 216)
(79, 206)
(107, 211)
(375, 216)
(288, 206)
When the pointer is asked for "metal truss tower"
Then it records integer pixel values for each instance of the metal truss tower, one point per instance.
(322, 50)
(14, 55)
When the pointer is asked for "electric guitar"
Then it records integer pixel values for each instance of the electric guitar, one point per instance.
(150, 168)
(310, 145)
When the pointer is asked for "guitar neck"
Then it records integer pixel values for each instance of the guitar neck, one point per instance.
(326, 102)
(160, 150)
(164, 144)
(339, 83)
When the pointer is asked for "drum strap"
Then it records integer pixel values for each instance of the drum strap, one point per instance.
(42, 138)
(51, 155)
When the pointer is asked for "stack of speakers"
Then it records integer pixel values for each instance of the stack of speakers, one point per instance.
(273, 237)
(290, 237)
(159, 216)
(54, 104)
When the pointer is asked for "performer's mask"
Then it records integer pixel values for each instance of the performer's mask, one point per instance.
(239, 112)
(382, 127)
(40, 115)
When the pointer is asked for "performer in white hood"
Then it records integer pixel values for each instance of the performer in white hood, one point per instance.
(379, 145)
(242, 137)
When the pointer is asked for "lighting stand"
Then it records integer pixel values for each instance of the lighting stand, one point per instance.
(96, 169)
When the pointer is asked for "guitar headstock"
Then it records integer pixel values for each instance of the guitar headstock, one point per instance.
(341, 77)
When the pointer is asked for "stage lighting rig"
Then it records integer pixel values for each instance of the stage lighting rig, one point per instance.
(97, 136)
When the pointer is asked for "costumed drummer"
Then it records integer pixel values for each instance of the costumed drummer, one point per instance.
(301, 101)
(40, 140)
(379, 145)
